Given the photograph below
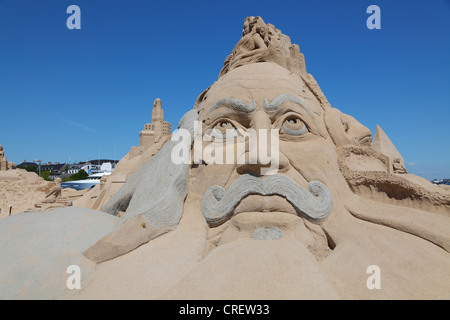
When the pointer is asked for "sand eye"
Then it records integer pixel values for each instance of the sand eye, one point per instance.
(224, 129)
(294, 126)
(223, 126)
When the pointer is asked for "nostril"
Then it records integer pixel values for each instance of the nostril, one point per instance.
(253, 169)
(278, 163)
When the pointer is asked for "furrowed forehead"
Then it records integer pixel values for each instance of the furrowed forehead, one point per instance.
(258, 82)
(246, 100)
(239, 106)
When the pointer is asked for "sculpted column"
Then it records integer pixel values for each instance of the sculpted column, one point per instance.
(3, 162)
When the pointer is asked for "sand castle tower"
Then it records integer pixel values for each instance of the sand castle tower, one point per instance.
(157, 128)
(4, 164)
(384, 145)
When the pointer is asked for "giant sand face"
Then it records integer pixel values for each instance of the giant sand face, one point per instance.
(278, 196)
(265, 98)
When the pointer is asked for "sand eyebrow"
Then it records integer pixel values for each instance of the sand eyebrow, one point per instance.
(272, 107)
(235, 104)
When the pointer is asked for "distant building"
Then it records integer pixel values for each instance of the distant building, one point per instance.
(55, 169)
(74, 168)
(157, 128)
(63, 170)
(92, 166)
(30, 166)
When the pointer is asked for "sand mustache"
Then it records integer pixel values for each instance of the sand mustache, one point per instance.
(315, 204)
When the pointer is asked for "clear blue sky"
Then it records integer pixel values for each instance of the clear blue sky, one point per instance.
(83, 93)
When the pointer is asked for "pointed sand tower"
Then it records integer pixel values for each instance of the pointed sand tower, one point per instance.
(381, 143)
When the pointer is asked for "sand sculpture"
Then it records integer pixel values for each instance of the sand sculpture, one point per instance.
(151, 140)
(335, 206)
(4, 164)
(398, 167)
(24, 191)
(54, 198)
(383, 144)
(93, 198)
(262, 42)
(157, 129)
(21, 190)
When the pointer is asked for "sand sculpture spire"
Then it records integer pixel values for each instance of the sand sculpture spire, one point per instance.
(262, 42)
(157, 111)
(4, 164)
(381, 143)
(157, 128)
